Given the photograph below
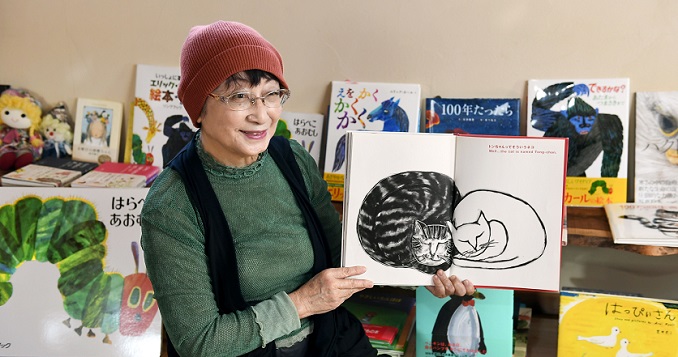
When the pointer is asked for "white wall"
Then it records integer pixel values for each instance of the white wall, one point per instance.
(64, 49)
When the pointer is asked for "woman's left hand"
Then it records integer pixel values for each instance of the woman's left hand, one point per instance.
(444, 286)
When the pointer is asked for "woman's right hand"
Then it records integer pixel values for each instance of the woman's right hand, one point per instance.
(327, 290)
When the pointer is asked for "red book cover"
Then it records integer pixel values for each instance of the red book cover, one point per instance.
(381, 333)
(148, 171)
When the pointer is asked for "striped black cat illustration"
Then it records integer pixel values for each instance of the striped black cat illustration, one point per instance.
(420, 220)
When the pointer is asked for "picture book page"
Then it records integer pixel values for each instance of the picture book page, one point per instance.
(507, 227)
(397, 183)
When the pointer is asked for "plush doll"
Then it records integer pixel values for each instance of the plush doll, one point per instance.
(58, 137)
(20, 117)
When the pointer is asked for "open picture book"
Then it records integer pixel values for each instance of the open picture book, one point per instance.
(484, 208)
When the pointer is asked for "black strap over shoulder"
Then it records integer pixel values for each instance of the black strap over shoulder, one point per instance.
(281, 152)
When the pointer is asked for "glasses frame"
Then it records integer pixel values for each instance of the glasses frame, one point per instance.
(284, 96)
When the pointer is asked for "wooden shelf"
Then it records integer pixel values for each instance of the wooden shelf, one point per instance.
(588, 226)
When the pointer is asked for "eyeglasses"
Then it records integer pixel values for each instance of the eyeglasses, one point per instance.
(245, 100)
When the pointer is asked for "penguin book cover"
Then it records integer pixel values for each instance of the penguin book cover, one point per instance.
(72, 274)
(469, 326)
(593, 114)
(604, 324)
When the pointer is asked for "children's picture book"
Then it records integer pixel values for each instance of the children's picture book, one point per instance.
(305, 128)
(98, 127)
(656, 179)
(160, 126)
(488, 208)
(594, 115)
(118, 174)
(48, 172)
(491, 116)
(643, 223)
(383, 312)
(392, 107)
(599, 324)
(72, 279)
(473, 325)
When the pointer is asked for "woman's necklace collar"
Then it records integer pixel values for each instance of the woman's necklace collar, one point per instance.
(216, 168)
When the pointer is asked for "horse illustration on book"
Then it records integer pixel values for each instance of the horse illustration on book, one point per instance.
(389, 111)
(458, 328)
(66, 233)
(420, 220)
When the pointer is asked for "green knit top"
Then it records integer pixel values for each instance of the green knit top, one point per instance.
(272, 246)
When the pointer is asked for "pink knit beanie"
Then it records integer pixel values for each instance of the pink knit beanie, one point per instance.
(217, 51)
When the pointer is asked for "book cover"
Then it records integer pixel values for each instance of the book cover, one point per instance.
(149, 172)
(72, 279)
(383, 311)
(51, 172)
(401, 342)
(491, 116)
(656, 175)
(473, 325)
(643, 223)
(485, 208)
(97, 131)
(594, 115)
(160, 126)
(392, 107)
(103, 179)
(67, 164)
(305, 128)
(596, 324)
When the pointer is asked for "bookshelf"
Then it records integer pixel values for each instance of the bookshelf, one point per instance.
(587, 227)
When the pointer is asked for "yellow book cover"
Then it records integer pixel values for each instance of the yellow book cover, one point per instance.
(599, 324)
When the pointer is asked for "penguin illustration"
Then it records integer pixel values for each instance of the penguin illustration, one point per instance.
(458, 328)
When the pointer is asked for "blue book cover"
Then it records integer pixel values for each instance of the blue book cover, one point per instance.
(489, 116)
(477, 325)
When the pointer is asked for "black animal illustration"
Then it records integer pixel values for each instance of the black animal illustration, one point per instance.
(420, 220)
(590, 132)
(178, 134)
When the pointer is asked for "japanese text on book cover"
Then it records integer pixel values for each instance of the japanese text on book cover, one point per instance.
(597, 324)
(305, 128)
(160, 126)
(491, 116)
(656, 147)
(365, 106)
(594, 115)
(73, 280)
(474, 325)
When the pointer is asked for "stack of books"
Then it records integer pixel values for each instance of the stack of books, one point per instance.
(48, 172)
(118, 174)
(521, 329)
(388, 315)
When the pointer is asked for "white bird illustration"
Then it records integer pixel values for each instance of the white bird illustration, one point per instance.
(603, 341)
(624, 352)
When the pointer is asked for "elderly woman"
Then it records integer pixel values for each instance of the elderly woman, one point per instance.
(241, 240)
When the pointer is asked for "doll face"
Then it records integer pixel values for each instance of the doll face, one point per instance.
(52, 133)
(15, 118)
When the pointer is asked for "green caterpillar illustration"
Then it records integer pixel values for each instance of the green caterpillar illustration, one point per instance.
(66, 233)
